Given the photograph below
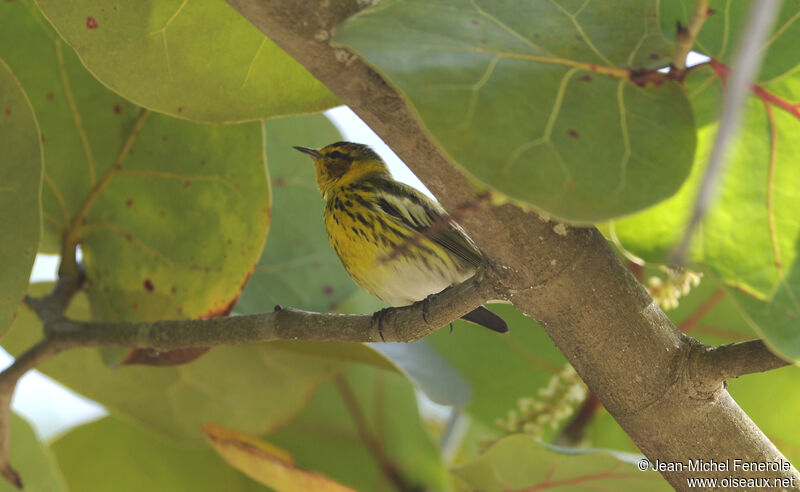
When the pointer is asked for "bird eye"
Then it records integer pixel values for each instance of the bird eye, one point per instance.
(337, 167)
(337, 155)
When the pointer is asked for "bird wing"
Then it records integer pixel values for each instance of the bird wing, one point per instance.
(416, 211)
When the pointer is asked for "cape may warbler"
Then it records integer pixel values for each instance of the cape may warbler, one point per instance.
(378, 228)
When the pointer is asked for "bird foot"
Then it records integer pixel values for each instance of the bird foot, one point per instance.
(425, 306)
(378, 318)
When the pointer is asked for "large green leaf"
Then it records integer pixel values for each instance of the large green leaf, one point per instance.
(189, 58)
(33, 462)
(112, 454)
(325, 436)
(750, 236)
(520, 463)
(535, 99)
(20, 193)
(253, 388)
(171, 216)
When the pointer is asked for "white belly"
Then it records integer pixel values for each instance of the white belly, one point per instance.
(409, 282)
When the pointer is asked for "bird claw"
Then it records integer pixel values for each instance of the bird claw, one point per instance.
(377, 319)
(425, 305)
(451, 327)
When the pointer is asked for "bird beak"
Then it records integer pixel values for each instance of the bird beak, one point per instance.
(312, 152)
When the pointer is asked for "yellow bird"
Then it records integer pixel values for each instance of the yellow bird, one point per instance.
(378, 228)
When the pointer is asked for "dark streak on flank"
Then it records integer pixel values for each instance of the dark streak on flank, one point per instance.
(148, 285)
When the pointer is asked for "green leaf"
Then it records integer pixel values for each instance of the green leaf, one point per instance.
(253, 388)
(171, 216)
(519, 462)
(33, 462)
(505, 89)
(324, 436)
(717, 38)
(113, 454)
(298, 266)
(188, 58)
(500, 369)
(20, 193)
(750, 236)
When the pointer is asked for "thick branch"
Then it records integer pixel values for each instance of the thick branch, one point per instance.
(569, 279)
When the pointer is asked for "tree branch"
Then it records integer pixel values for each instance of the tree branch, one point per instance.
(714, 365)
(568, 279)
(405, 324)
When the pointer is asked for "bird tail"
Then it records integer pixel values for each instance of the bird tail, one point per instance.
(483, 317)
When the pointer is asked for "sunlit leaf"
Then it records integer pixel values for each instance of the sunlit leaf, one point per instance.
(171, 216)
(265, 463)
(503, 88)
(750, 236)
(20, 193)
(33, 462)
(718, 37)
(189, 58)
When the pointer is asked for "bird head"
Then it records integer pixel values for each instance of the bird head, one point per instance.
(343, 163)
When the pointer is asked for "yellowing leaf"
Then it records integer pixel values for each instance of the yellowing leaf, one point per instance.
(266, 463)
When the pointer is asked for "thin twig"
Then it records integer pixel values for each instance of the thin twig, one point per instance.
(686, 36)
(746, 64)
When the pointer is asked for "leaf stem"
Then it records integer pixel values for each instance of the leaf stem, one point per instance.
(686, 36)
